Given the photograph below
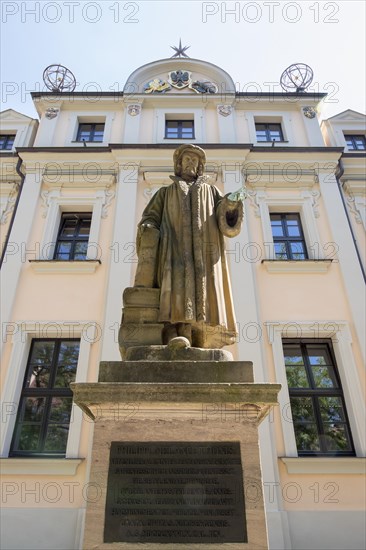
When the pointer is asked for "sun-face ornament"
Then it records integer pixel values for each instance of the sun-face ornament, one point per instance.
(309, 112)
(51, 112)
(134, 110)
(224, 110)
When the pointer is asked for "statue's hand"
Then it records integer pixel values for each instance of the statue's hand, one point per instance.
(236, 196)
(233, 197)
(148, 225)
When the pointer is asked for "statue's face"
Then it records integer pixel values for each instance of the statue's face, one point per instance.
(189, 163)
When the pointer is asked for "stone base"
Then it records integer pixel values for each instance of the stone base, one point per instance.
(180, 401)
(177, 372)
(173, 352)
(140, 325)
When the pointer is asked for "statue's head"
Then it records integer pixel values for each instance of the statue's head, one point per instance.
(189, 161)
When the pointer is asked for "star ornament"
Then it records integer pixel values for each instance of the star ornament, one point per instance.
(180, 50)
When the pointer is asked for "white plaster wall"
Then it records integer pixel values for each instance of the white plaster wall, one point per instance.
(46, 529)
(146, 125)
(212, 127)
(313, 134)
(49, 129)
(242, 127)
(118, 124)
(327, 530)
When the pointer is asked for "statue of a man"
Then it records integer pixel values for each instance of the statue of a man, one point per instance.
(181, 251)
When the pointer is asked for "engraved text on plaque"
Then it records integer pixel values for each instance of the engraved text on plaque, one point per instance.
(175, 492)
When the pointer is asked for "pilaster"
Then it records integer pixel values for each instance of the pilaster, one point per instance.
(348, 262)
(121, 260)
(18, 246)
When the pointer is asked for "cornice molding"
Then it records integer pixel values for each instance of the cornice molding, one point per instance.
(72, 267)
(297, 266)
(40, 466)
(324, 465)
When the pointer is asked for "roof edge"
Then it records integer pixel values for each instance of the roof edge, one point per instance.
(57, 95)
(250, 146)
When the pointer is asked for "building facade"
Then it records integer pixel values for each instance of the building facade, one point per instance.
(73, 187)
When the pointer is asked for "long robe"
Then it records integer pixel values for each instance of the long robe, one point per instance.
(191, 269)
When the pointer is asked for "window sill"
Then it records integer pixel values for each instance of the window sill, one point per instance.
(297, 266)
(183, 140)
(269, 143)
(60, 266)
(88, 143)
(325, 465)
(40, 466)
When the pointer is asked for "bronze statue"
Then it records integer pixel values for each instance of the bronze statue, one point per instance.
(181, 251)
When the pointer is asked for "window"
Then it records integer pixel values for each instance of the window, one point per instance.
(317, 404)
(7, 142)
(90, 132)
(43, 419)
(337, 336)
(179, 129)
(306, 211)
(73, 236)
(355, 143)
(288, 237)
(268, 132)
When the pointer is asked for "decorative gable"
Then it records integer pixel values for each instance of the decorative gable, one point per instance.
(179, 75)
(348, 116)
(10, 115)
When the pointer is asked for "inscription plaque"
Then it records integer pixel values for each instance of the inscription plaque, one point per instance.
(175, 492)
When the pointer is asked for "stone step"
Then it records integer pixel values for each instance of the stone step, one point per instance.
(209, 372)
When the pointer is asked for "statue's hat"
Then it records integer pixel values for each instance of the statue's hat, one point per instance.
(189, 148)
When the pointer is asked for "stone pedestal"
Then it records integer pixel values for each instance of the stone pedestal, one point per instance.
(180, 402)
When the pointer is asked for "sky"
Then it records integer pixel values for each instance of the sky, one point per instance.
(103, 42)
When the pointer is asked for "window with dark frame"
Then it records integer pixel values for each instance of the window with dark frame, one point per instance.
(90, 132)
(268, 131)
(179, 129)
(7, 142)
(44, 412)
(288, 237)
(355, 142)
(73, 236)
(317, 404)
